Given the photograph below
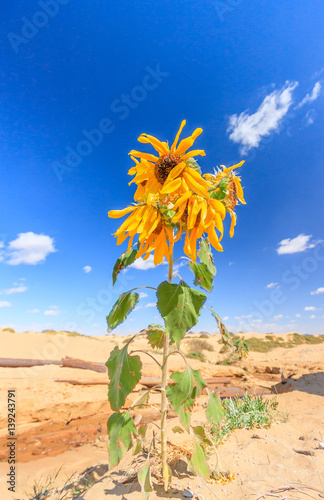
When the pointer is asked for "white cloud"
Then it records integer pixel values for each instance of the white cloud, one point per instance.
(150, 304)
(142, 295)
(244, 316)
(257, 321)
(298, 315)
(278, 316)
(295, 245)
(273, 285)
(249, 129)
(310, 117)
(15, 289)
(312, 96)
(319, 290)
(29, 248)
(312, 316)
(1, 251)
(176, 267)
(53, 311)
(310, 308)
(143, 265)
(33, 311)
(226, 318)
(4, 303)
(87, 269)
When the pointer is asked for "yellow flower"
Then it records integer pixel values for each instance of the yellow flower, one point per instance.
(170, 171)
(227, 186)
(196, 215)
(154, 234)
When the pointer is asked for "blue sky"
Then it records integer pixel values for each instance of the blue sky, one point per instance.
(251, 75)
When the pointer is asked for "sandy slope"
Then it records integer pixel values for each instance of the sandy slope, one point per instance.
(55, 418)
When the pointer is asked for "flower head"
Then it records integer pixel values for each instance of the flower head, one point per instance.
(171, 171)
(225, 185)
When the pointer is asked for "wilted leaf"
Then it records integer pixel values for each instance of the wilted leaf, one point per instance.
(121, 428)
(144, 479)
(179, 306)
(120, 310)
(126, 259)
(155, 337)
(178, 430)
(205, 271)
(203, 277)
(215, 411)
(198, 462)
(200, 432)
(221, 326)
(205, 255)
(124, 373)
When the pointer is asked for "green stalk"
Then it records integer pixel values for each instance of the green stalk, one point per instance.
(166, 341)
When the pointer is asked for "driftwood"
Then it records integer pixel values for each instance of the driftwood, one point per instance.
(82, 382)
(84, 365)
(17, 363)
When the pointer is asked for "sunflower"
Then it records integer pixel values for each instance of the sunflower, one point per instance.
(171, 171)
(147, 221)
(195, 216)
(226, 186)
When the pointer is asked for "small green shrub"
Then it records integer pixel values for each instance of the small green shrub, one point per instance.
(244, 413)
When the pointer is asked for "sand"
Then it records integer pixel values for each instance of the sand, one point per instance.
(59, 424)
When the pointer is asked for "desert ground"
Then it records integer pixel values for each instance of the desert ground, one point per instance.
(62, 412)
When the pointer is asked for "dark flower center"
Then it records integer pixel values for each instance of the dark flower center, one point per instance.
(164, 165)
(231, 198)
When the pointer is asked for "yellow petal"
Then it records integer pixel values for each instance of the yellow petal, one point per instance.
(116, 214)
(239, 190)
(188, 142)
(176, 171)
(194, 186)
(233, 223)
(218, 206)
(213, 239)
(191, 154)
(170, 187)
(229, 169)
(175, 142)
(182, 199)
(159, 146)
(144, 156)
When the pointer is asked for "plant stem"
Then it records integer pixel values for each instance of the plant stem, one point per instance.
(166, 341)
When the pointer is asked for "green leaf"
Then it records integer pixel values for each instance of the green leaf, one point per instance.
(182, 389)
(215, 411)
(124, 373)
(144, 479)
(184, 414)
(205, 255)
(200, 382)
(120, 310)
(126, 259)
(198, 462)
(155, 337)
(183, 393)
(205, 272)
(120, 430)
(179, 306)
(203, 277)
